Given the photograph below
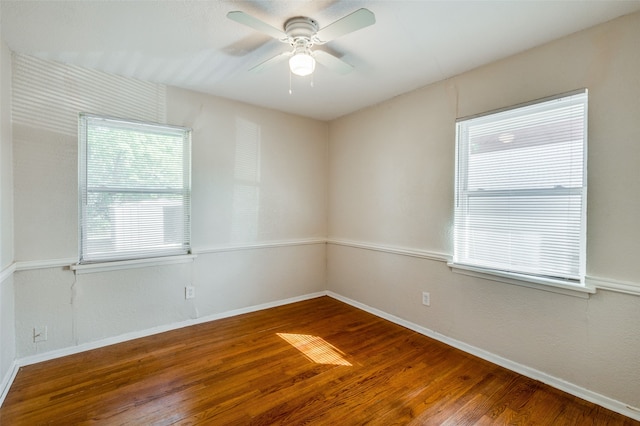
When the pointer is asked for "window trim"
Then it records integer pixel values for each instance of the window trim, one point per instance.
(116, 265)
(530, 281)
(523, 104)
(579, 287)
(146, 259)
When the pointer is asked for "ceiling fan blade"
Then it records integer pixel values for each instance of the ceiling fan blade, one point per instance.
(357, 20)
(270, 62)
(256, 24)
(334, 64)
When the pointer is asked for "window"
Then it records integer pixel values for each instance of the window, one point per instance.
(135, 189)
(520, 202)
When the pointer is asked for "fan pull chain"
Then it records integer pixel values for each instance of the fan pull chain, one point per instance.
(290, 91)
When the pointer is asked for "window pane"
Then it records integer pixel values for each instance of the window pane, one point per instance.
(520, 190)
(125, 158)
(527, 167)
(536, 234)
(135, 190)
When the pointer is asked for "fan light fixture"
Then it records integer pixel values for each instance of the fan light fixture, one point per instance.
(302, 64)
(302, 33)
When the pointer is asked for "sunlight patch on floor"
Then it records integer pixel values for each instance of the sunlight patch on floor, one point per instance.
(315, 348)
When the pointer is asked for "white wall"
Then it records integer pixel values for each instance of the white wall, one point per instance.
(6, 166)
(391, 173)
(258, 222)
(7, 313)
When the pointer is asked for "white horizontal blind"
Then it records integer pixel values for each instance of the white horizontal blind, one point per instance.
(135, 189)
(521, 190)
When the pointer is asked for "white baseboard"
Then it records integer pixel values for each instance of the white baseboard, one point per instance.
(46, 356)
(532, 373)
(7, 380)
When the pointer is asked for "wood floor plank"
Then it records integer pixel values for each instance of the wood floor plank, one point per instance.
(314, 362)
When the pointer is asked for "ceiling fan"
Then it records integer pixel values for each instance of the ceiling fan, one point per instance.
(302, 33)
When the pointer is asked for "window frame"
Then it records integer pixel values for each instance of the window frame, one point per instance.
(521, 277)
(133, 256)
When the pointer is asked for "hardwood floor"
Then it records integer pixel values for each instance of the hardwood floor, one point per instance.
(314, 362)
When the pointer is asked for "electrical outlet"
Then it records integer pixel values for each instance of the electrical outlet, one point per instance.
(39, 334)
(189, 292)
(426, 298)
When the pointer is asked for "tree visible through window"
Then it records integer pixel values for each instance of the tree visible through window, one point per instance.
(521, 190)
(135, 189)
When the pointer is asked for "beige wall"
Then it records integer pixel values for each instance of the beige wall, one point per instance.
(391, 174)
(258, 223)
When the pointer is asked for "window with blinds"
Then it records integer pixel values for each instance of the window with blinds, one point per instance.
(520, 201)
(135, 189)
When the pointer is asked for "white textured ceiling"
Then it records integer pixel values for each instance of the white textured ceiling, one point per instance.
(191, 44)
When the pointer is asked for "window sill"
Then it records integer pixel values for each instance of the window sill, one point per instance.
(524, 281)
(90, 268)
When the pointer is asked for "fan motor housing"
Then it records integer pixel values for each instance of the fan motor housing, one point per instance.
(300, 27)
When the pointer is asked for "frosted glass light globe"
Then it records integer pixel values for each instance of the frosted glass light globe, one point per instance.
(302, 64)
